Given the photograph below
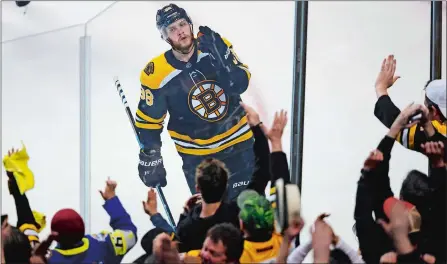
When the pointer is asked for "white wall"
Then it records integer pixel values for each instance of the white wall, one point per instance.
(40, 105)
(346, 44)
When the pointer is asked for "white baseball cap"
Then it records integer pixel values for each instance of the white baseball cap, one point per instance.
(436, 92)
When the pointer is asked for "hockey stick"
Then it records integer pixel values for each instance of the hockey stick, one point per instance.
(132, 121)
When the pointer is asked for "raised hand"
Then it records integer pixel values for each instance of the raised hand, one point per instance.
(150, 205)
(165, 250)
(399, 224)
(386, 77)
(277, 130)
(193, 200)
(252, 116)
(374, 159)
(294, 229)
(109, 190)
(12, 152)
(404, 120)
(435, 152)
(322, 237)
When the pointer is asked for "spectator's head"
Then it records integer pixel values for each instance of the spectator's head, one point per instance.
(436, 99)
(223, 244)
(16, 246)
(211, 180)
(415, 189)
(256, 215)
(148, 238)
(69, 226)
(414, 218)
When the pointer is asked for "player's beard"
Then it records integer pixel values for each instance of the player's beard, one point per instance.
(184, 46)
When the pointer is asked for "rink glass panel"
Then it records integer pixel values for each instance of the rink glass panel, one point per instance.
(346, 45)
(125, 38)
(40, 106)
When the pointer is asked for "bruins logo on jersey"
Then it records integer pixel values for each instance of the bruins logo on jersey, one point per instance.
(208, 101)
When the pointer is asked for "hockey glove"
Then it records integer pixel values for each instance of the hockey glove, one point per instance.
(151, 169)
(212, 43)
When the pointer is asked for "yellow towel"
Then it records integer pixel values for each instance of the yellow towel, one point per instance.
(40, 219)
(18, 165)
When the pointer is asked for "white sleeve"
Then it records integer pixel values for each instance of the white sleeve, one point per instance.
(299, 254)
(352, 254)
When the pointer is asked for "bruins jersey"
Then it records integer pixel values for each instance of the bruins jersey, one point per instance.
(261, 252)
(255, 252)
(414, 136)
(204, 112)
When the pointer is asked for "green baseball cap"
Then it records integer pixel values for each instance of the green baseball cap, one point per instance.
(255, 210)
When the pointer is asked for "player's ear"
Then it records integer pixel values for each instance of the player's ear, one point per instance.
(197, 188)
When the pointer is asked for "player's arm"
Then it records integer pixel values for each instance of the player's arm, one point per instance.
(149, 121)
(231, 72)
(239, 73)
(151, 112)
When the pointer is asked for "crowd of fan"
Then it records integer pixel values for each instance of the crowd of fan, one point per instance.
(408, 229)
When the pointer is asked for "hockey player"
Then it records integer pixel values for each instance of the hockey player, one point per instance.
(199, 82)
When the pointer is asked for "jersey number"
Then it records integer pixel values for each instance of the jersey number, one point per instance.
(148, 96)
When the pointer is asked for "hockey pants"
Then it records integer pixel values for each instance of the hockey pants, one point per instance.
(240, 163)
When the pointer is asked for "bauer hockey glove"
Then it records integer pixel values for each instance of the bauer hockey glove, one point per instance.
(151, 169)
(211, 42)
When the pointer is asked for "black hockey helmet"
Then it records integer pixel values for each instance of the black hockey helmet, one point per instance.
(168, 15)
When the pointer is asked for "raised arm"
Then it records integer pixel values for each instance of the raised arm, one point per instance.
(124, 235)
(385, 110)
(149, 120)
(25, 218)
(278, 159)
(261, 175)
(231, 72)
(435, 151)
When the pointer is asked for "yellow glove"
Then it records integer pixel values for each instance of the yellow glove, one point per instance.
(17, 163)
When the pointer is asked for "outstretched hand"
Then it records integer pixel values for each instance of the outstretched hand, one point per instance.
(252, 116)
(435, 153)
(374, 158)
(386, 77)
(192, 201)
(165, 250)
(277, 130)
(294, 229)
(403, 120)
(399, 224)
(150, 205)
(12, 152)
(109, 190)
(322, 237)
